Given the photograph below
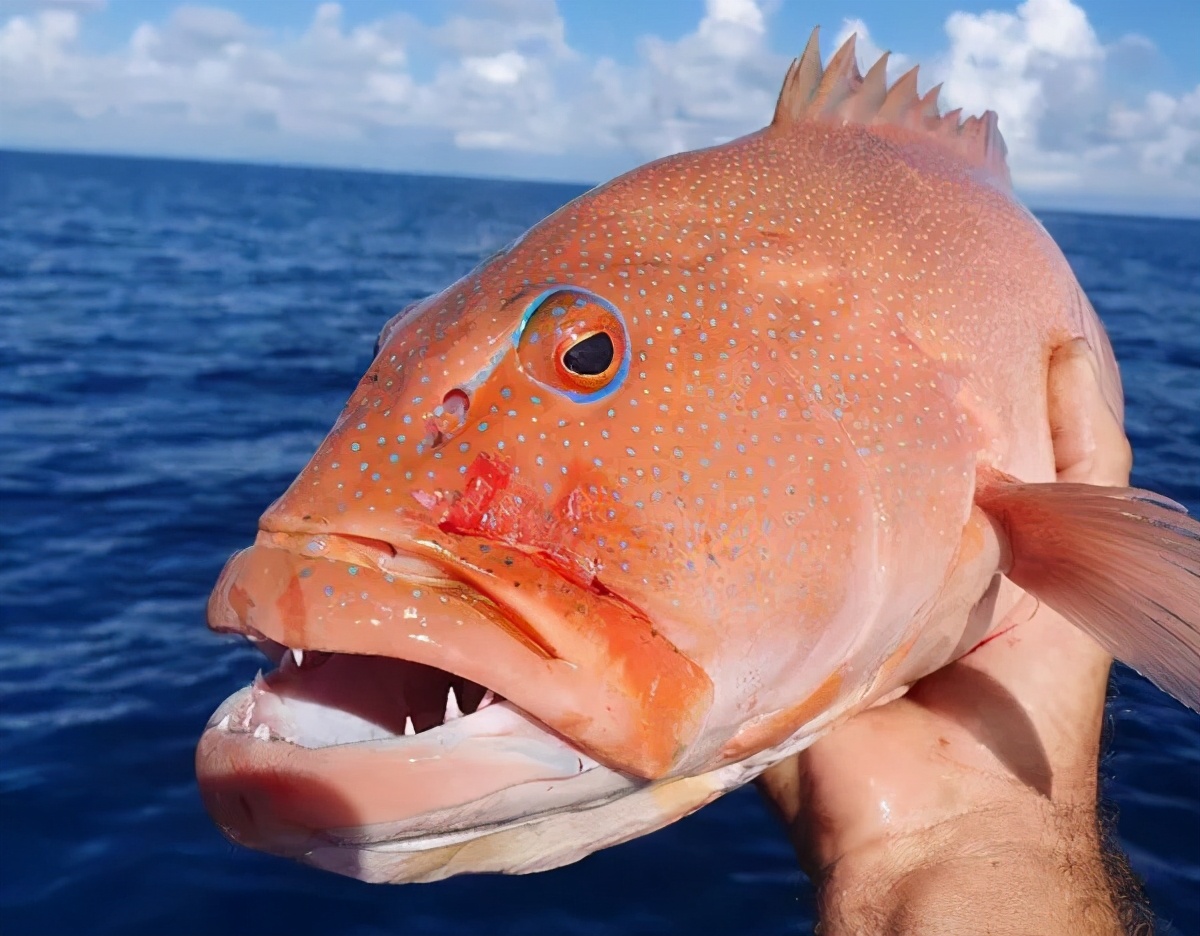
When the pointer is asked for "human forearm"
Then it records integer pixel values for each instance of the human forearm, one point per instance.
(969, 805)
(1022, 868)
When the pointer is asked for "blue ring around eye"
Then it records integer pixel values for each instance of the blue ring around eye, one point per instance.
(626, 356)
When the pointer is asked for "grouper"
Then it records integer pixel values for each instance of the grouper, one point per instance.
(719, 454)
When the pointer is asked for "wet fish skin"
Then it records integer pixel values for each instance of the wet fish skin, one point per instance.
(778, 489)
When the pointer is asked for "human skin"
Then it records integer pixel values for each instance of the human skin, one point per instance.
(969, 805)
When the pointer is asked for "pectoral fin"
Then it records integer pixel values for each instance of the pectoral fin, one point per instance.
(1121, 564)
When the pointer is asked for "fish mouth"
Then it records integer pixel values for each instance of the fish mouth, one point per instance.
(328, 752)
(431, 687)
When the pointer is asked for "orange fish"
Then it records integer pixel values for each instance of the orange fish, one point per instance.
(717, 455)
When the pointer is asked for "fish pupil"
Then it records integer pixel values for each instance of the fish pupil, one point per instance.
(590, 357)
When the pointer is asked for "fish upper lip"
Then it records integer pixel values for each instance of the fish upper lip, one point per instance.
(579, 658)
(429, 565)
(387, 558)
(346, 547)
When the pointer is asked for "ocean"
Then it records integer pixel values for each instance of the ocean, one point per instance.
(175, 339)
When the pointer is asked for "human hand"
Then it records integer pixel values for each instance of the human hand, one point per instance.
(969, 804)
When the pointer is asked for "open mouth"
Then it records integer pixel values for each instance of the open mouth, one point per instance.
(399, 643)
(341, 752)
(316, 699)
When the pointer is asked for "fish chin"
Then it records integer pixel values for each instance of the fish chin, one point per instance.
(596, 810)
(344, 763)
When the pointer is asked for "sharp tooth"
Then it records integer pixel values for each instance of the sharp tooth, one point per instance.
(262, 732)
(488, 698)
(408, 727)
(223, 724)
(452, 709)
(298, 656)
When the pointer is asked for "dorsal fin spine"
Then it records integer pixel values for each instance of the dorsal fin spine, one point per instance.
(800, 83)
(838, 93)
(899, 99)
(929, 103)
(873, 91)
(839, 82)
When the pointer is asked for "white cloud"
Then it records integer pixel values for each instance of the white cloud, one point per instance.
(505, 68)
(1045, 72)
(491, 27)
(715, 83)
(204, 81)
(38, 44)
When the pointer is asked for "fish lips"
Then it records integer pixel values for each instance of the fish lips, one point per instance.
(444, 786)
(578, 660)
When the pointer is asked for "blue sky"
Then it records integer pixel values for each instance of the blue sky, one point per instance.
(1099, 100)
(611, 27)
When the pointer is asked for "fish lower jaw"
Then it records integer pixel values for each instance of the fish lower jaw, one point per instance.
(350, 755)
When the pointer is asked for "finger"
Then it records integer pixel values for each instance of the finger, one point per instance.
(1056, 674)
(1089, 441)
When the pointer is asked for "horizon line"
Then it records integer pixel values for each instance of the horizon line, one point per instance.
(248, 162)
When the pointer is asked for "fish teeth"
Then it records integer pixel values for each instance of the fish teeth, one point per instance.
(452, 709)
(223, 724)
(488, 698)
(409, 730)
(262, 732)
(298, 656)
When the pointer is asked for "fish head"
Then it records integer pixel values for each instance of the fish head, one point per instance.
(583, 496)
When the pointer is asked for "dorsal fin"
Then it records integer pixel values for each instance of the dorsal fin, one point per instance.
(839, 94)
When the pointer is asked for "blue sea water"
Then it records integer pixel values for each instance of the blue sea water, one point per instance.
(175, 338)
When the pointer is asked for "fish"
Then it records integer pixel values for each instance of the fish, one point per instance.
(721, 453)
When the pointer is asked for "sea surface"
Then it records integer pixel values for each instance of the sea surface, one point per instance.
(175, 339)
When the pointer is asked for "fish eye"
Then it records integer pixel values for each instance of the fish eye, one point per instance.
(590, 356)
(574, 342)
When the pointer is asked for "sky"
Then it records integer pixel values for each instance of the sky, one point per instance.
(1098, 100)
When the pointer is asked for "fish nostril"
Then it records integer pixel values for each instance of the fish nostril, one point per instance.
(447, 418)
(455, 404)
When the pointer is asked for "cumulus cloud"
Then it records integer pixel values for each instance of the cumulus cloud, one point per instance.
(715, 83)
(1043, 69)
(507, 89)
